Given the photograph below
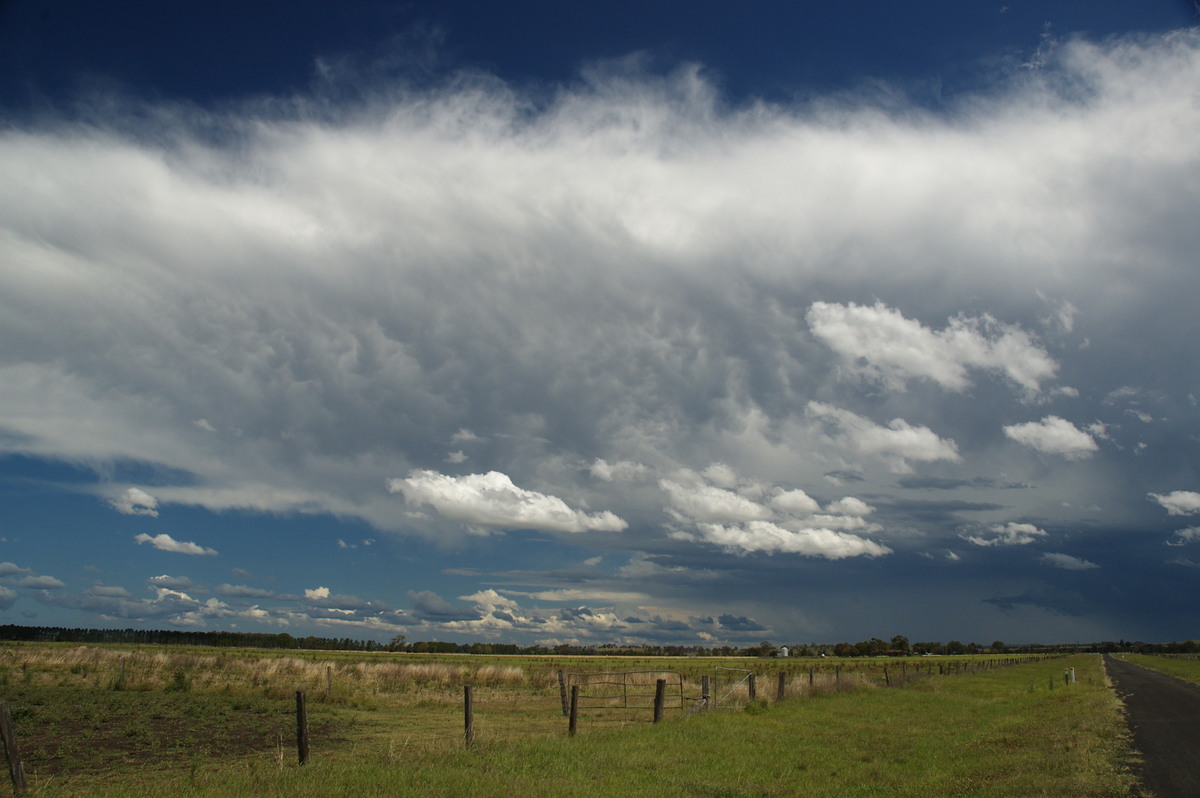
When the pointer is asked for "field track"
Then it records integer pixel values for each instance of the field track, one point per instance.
(1164, 716)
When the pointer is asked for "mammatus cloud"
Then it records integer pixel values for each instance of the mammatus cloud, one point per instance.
(1053, 435)
(135, 501)
(1010, 534)
(899, 443)
(1179, 502)
(1067, 562)
(879, 341)
(165, 542)
(492, 500)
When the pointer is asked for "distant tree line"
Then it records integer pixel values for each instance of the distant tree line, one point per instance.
(897, 646)
(168, 637)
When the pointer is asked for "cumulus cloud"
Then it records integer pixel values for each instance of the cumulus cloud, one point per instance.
(1178, 502)
(899, 443)
(619, 471)
(708, 503)
(165, 542)
(768, 537)
(1188, 535)
(880, 341)
(1067, 562)
(1053, 435)
(492, 500)
(1009, 534)
(135, 501)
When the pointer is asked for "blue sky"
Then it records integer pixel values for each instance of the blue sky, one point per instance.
(592, 322)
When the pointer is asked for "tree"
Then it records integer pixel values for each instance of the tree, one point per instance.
(900, 643)
(998, 647)
(397, 643)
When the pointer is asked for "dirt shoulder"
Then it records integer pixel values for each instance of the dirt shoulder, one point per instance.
(1164, 717)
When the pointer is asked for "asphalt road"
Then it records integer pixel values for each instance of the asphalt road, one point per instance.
(1164, 716)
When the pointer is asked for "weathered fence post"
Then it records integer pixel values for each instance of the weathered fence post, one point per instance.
(301, 727)
(329, 680)
(782, 686)
(574, 715)
(15, 769)
(562, 692)
(810, 675)
(750, 686)
(705, 692)
(468, 715)
(887, 680)
(660, 692)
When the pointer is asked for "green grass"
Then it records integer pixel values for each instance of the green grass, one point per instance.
(1186, 669)
(1000, 732)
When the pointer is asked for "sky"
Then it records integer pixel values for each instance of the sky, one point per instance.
(586, 323)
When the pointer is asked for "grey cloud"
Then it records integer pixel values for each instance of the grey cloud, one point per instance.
(740, 624)
(429, 606)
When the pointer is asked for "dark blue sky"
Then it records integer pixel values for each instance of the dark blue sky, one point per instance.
(585, 322)
(220, 49)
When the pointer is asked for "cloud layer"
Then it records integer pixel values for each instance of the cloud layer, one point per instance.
(744, 338)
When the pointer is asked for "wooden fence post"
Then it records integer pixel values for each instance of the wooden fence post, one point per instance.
(782, 686)
(562, 692)
(301, 727)
(329, 680)
(660, 692)
(15, 769)
(705, 692)
(887, 680)
(574, 716)
(810, 675)
(468, 715)
(750, 686)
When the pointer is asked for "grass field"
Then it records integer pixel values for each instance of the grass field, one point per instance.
(121, 721)
(1186, 669)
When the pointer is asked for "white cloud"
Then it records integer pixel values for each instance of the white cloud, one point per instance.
(1067, 562)
(135, 501)
(849, 505)
(165, 542)
(316, 593)
(1179, 502)
(619, 471)
(764, 536)
(492, 500)
(1187, 535)
(1053, 435)
(1009, 534)
(895, 348)
(796, 502)
(708, 503)
(897, 443)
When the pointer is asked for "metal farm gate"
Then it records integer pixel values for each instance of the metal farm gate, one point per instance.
(627, 689)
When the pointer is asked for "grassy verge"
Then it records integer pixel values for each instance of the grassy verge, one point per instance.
(1186, 669)
(1012, 731)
